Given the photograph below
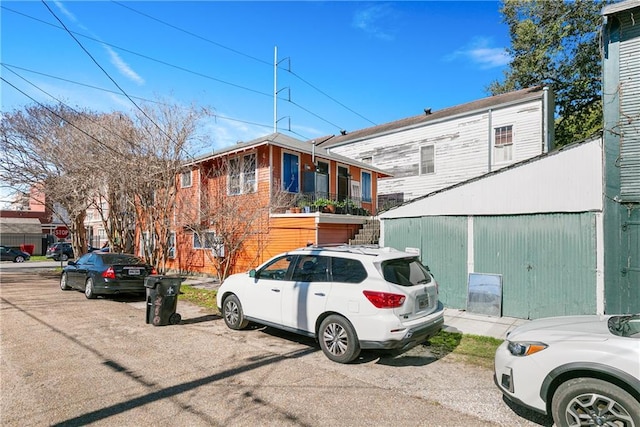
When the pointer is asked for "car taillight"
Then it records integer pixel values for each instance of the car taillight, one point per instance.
(384, 299)
(109, 273)
(153, 270)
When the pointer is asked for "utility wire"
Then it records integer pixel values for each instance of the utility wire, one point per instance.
(131, 144)
(255, 59)
(61, 117)
(193, 34)
(176, 67)
(218, 116)
(106, 73)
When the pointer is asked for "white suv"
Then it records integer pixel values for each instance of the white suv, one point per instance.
(583, 370)
(347, 297)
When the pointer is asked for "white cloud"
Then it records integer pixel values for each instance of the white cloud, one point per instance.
(116, 60)
(480, 52)
(123, 67)
(371, 19)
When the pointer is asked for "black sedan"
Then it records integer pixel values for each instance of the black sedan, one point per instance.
(103, 273)
(13, 254)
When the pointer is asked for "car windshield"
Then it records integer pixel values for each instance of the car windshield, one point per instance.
(405, 272)
(625, 326)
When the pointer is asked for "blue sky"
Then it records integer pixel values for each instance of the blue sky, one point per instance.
(342, 64)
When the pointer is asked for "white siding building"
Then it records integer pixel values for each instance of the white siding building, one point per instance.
(437, 149)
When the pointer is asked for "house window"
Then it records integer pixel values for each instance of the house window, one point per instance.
(185, 179)
(242, 174)
(290, 173)
(172, 245)
(503, 144)
(208, 240)
(366, 187)
(427, 160)
(249, 181)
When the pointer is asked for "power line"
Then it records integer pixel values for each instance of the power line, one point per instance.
(199, 74)
(106, 73)
(255, 59)
(218, 116)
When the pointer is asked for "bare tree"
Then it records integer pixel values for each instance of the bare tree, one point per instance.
(166, 135)
(47, 146)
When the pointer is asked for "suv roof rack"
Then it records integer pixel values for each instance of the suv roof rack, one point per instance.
(360, 249)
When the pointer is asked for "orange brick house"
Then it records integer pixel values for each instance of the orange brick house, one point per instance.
(242, 205)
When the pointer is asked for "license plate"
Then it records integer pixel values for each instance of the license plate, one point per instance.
(423, 302)
(134, 272)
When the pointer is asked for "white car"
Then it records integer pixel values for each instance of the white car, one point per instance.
(347, 297)
(583, 370)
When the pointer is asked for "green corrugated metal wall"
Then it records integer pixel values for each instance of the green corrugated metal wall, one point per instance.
(547, 262)
(443, 248)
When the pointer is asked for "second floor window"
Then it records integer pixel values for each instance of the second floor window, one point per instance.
(185, 179)
(503, 144)
(242, 174)
(427, 159)
(366, 187)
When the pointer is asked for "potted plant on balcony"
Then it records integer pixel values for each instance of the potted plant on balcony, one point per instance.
(325, 205)
(305, 205)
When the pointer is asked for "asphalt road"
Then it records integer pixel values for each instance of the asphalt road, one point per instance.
(71, 361)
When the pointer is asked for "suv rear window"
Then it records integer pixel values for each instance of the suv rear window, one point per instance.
(347, 270)
(405, 272)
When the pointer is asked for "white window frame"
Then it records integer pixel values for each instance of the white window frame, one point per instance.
(247, 180)
(211, 241)
(423, 162)
(186, 179)
(503, 144)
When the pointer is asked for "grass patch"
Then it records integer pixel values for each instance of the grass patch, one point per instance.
(201, 297)
(39, 258)
(473, 349)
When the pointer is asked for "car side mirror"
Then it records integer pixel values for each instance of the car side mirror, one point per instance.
(71, 263)
(252, 273)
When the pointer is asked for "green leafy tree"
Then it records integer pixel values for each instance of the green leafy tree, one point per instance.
(556, 43)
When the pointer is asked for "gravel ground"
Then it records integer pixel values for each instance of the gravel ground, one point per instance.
(70, 361)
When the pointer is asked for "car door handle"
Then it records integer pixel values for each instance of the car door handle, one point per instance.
(275, 289)
(320, 294)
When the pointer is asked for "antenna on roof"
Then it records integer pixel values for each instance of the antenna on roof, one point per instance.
(343, 132)
(427, 111)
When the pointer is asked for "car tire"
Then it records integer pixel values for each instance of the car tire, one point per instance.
(88, 289)
(63, 282)
(64, 257)
(233, 314)
(19, 258)
(595, 401)
(338, 339)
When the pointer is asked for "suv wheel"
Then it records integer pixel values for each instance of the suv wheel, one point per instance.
(64, 257)
(232, 313)
(338, 339)
(594, 402)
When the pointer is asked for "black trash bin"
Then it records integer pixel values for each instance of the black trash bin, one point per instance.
(162, 299)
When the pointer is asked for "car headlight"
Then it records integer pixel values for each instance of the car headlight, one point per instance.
(525, 348)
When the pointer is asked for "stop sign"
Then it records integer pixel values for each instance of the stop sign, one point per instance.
(61, 232)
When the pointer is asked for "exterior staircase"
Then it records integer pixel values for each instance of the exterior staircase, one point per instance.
(369, 234)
